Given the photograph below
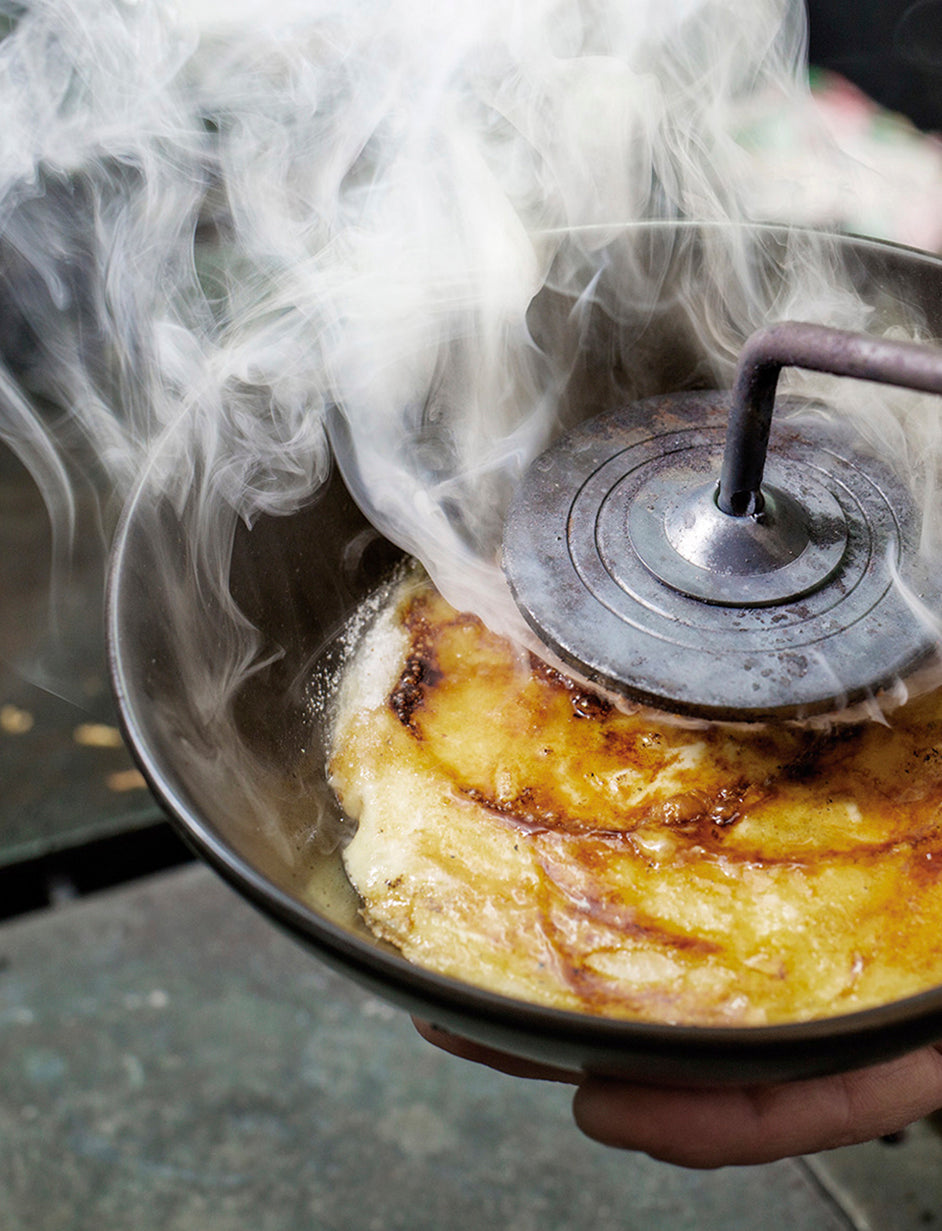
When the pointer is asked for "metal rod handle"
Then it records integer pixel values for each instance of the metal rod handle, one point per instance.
(817, 348)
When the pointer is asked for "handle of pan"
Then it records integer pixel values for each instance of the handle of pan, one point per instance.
(817, 348)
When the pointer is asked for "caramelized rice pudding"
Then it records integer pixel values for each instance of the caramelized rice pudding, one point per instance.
(520, 833)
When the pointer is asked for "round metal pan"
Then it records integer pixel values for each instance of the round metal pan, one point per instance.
(239, 767)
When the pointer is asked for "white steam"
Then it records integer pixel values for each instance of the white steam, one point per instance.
(227, 237)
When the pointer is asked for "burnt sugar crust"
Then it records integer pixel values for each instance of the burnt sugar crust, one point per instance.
(518, 832)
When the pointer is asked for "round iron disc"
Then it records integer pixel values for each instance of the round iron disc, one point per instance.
(588, 555)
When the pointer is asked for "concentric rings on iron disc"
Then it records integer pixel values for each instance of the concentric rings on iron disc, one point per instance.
(602, 612)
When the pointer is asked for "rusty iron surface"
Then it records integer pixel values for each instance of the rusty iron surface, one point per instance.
(596, 596)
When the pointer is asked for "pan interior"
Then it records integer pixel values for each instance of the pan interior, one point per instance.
(241, 765)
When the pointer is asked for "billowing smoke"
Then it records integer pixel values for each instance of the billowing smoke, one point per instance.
(222, 228)
(231, 241)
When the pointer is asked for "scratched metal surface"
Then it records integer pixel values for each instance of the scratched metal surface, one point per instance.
(168, 1061)
(65, 777)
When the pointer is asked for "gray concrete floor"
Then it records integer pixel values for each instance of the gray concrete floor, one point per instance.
(169, 1061)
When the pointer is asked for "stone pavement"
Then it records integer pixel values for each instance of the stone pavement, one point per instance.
(171, 1062)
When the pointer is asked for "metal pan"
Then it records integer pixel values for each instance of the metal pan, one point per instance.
(236, 758)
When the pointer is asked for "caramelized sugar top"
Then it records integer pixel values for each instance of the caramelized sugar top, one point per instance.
(518, 831)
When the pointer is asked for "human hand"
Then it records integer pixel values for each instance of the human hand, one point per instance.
(735, 1125)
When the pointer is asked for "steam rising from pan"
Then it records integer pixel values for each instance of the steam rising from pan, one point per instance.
(430, 240)
(390, 227)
